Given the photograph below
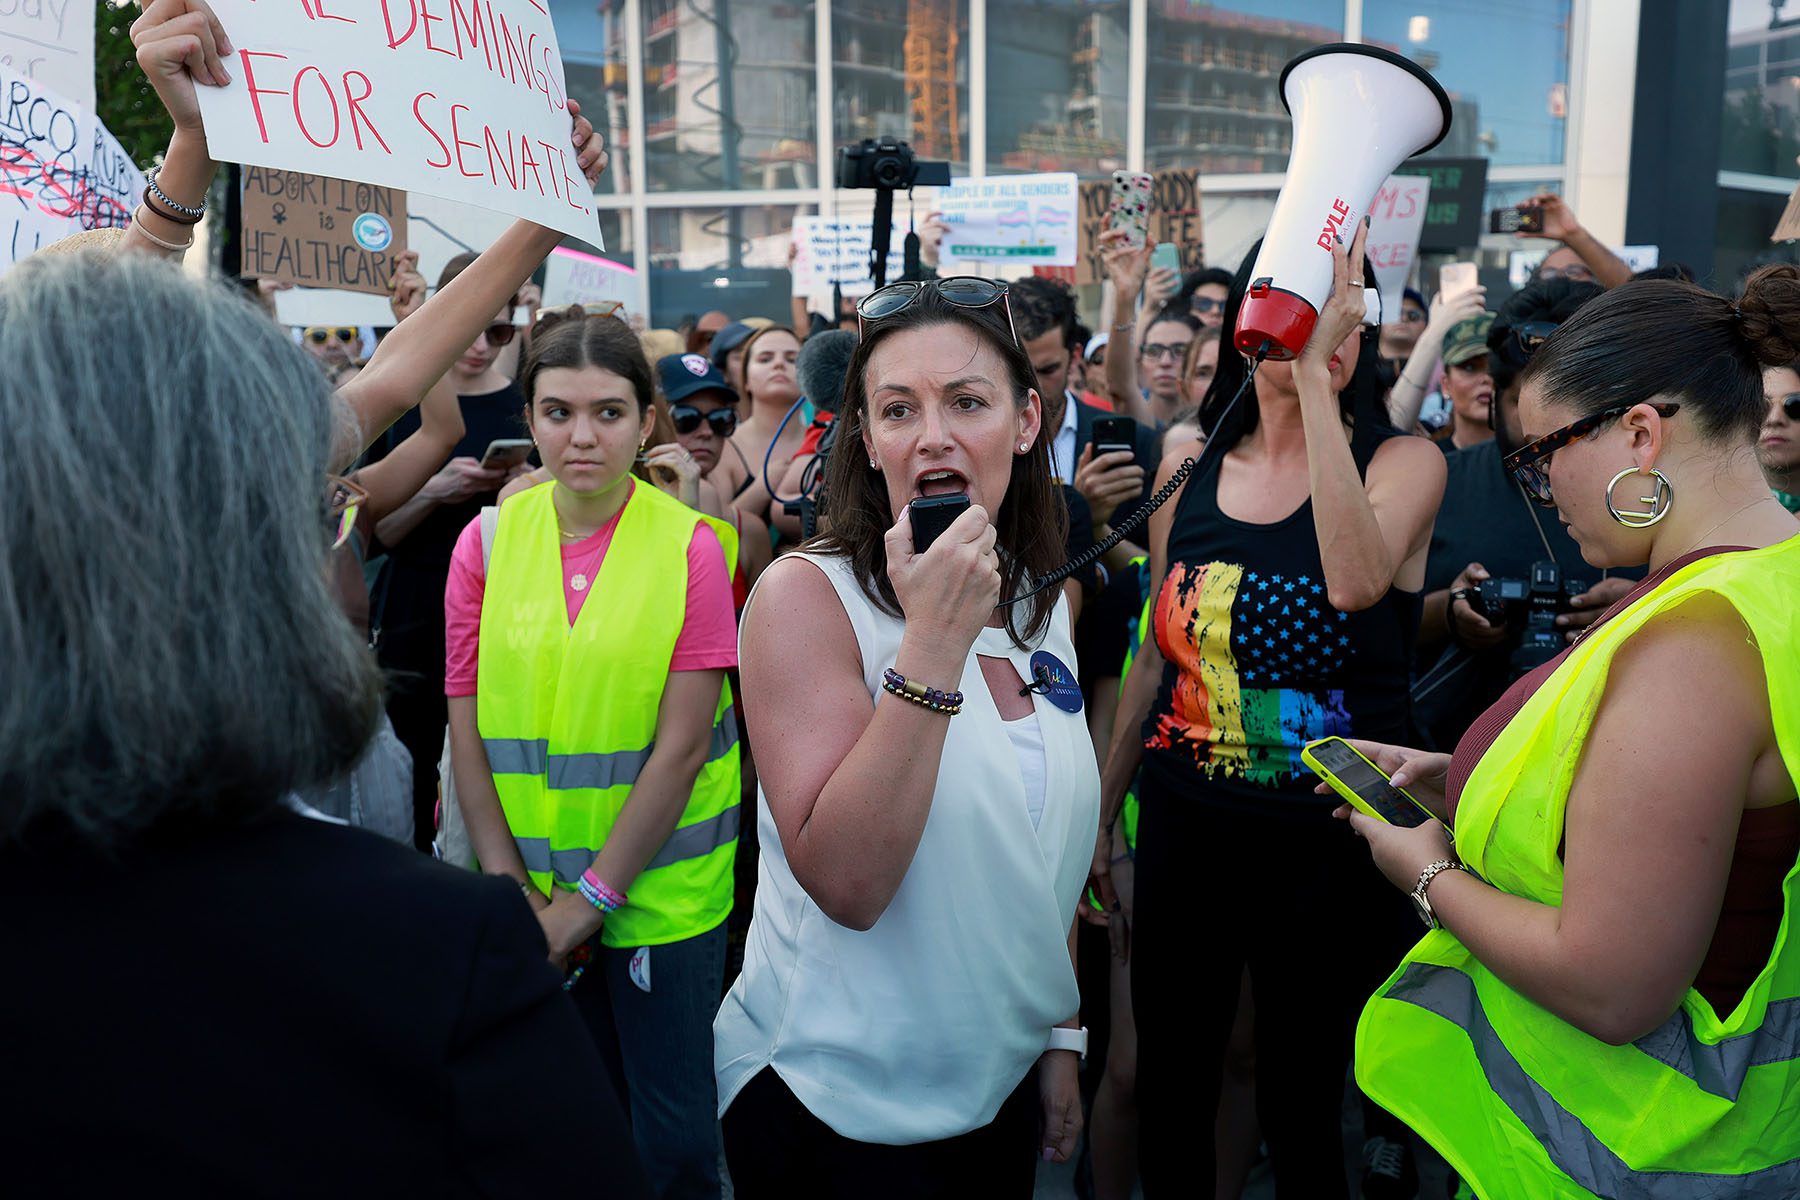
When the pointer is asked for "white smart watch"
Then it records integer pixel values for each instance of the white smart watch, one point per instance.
(1069, 1039)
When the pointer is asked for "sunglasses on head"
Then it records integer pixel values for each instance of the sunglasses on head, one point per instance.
(964, 291)
(318, 335)
(1530, 464)
(687, 419)
(1531, 335)
(343, 500)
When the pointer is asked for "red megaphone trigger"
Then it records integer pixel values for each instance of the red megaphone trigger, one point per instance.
(1274, 318)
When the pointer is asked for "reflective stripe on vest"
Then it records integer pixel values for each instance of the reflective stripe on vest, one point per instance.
(568, 713)
(1523, 1104)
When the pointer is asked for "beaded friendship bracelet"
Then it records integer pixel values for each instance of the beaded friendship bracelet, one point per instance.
(948, 703)
(599, 894)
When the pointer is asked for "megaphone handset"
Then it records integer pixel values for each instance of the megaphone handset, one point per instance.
(1189, 467)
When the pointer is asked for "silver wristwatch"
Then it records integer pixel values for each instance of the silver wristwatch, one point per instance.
(1421, 902)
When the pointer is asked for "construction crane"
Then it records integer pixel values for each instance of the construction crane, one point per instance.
(931, 44)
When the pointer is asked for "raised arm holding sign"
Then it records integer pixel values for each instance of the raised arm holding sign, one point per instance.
(180, 44)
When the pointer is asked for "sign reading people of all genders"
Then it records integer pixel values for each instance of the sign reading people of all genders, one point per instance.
(52, 43)
(1025, 220)
(463, 99)
(61, 171)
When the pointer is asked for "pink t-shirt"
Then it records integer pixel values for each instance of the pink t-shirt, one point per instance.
(708, 637)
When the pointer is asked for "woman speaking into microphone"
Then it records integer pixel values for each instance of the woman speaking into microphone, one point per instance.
(906, 1023)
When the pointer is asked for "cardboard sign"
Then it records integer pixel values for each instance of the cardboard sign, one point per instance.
(319, 232)
(1788, 228)
(1457, 215)
(52, 43)
(458, 99)
(571, 277)
(1522, 264)
(1397, 219)
(61, 171)
(828, 252)
(1174, 217)
(1019, 219)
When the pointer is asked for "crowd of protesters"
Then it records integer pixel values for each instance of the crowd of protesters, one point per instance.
(787, 851)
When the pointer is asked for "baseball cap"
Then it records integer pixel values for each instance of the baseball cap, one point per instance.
(727, 340)
(684, 375)
(1467, 339)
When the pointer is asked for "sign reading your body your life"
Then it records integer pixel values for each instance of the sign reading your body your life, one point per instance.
(462, 99)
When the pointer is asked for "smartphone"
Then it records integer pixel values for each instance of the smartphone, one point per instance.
(1130, 209)
(1114, 433)
(1457, 277)
(1363, 783)
(1166, 257)
(503, 454)
(931, 515)
(1521, 218)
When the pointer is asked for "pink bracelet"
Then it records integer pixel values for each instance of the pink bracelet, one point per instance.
(598, 893)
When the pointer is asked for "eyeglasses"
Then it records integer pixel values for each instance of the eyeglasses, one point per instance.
(1530, 464)
(687, 419)
(1156, 350)
(964, 291)
(318, 335)
(1206, 306)
(501, 332)
(1531, 335)
(1412, 316)
(1790, 406)
(548, 318)
(343, 500)
(1574, 273)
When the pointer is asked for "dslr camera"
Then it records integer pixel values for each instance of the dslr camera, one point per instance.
(1532, 605)
(887, 164)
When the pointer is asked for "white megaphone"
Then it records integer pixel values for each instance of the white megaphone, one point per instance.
(1358, 113)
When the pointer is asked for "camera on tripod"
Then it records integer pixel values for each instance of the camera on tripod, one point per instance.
(1532, 605)
(889, 164)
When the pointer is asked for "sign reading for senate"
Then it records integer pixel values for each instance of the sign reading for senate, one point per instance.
(320, 232)
(462, 99)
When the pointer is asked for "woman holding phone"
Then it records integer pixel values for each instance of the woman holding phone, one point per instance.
(1602, 1002)
(592, 737)
(1284, 584)
(906, 1022)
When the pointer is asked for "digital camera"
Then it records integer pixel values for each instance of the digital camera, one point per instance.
(1531, 605)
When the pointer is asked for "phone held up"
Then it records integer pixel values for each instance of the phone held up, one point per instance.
(1362, 783)
(1457, 277)
(1114, 433)
(931, 515)
(1522, 218)
(1130, 208)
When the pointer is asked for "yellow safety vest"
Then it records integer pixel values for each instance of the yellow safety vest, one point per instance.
(568, 714)
(1527, 1106)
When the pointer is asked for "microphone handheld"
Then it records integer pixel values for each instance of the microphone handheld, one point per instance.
(931, 515)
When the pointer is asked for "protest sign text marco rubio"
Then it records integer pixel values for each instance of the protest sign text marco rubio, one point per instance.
(61, 171)
(463, 99)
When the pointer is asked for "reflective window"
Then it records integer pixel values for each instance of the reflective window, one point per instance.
(1742, 238)
(733, 259)
(902, 71)
(1057, 94)
(1506, 67)
(1761, 133)
(729, 95)
(597, 67)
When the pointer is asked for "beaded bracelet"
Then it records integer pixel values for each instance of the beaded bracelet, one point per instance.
(189, 211)
(599, 894)
(948, 703)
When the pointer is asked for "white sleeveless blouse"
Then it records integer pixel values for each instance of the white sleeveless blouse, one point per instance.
(919, 1028)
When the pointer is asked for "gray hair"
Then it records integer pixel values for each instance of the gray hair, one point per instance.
(171, 645)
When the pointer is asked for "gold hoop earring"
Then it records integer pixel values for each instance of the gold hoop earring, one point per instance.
(1660, 500)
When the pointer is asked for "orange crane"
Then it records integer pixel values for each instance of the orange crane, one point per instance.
(930, 48)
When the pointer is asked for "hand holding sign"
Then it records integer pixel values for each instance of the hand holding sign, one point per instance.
(178, 42)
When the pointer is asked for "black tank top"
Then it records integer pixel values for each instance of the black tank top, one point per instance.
(1258, 662)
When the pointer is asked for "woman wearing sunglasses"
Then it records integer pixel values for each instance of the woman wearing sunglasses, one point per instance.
(1778, 443)
(593, 743)
(906, 1022)
(1603, 1004)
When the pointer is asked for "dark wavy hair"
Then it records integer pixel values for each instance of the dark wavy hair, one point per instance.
(1362, 401)
(1032, 525)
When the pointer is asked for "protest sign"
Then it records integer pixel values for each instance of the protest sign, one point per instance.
(1397, 218)
(828, 252)
(467, 102)
(319, 232)
(61, 171)
(331, 306)
(1522, 264)
(1788, 228)
(1019, 219)
(52, 43)
(571, 277)
(1174, 218)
